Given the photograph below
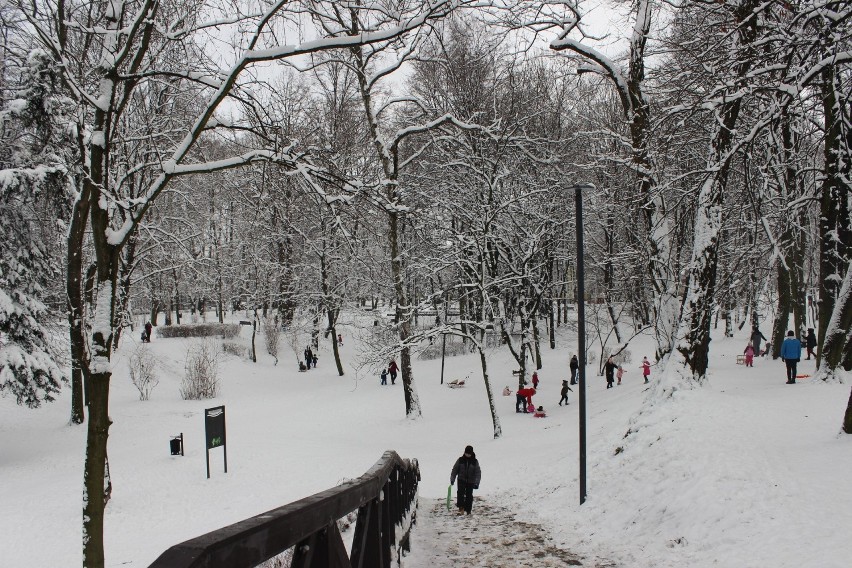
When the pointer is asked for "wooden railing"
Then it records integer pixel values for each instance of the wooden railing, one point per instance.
(385, 498)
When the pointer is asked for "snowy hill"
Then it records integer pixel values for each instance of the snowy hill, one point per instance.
(746, 472)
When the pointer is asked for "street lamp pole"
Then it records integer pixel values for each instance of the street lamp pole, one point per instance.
(581, 332)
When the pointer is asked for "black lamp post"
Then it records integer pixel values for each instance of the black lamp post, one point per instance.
(581, 331)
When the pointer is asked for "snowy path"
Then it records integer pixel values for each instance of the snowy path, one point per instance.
(490, 537)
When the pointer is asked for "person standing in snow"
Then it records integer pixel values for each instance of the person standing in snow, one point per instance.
(564, 392)
(619, 374)
(340, 339)
(523, 399)
(609, 371)
(309, 357)
(466, 469)
(749, 355)
(535, 379)
(148, 328)
(756, 338)
(384, 376)
(575, 366)
(791, 352)
(811, 342)
(646, 369)
(392, 369)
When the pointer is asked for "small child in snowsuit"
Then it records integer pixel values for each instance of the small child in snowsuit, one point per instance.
(384, 376)
(619, 374)
(535, 379)
(564, 392)
(646, 369)
(749, 355)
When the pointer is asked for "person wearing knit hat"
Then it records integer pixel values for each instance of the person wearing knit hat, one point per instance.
(466, 469)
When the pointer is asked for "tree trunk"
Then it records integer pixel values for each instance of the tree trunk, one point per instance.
(94, 475)
(495, 420)
(694, 327)
(412, 401)
(127, 265)
(782, 310)
(177, 296)
(837, 342)
(74, 291)
(835, 217)
(537, 352)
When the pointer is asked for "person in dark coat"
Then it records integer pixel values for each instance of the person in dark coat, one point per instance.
(756, 338)
(564, 392)
(392, 369)
(609, 370)
(309, 357)
(575, 366)
(791, 352)
(811, 343)
(384, 376)
(468, 473)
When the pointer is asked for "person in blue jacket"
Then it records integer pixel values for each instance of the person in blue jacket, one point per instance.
(468, 472)
(791, 352)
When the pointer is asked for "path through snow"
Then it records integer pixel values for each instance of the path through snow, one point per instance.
(491, 537)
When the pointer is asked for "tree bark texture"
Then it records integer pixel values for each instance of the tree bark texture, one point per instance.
(835, 217)
(74, 293)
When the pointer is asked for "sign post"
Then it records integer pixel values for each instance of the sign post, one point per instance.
(214, 430)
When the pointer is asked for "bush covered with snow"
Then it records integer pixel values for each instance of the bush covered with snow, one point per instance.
(271, 335)
(224, 330)
(201, 379)
(142, 365)
(237, 349)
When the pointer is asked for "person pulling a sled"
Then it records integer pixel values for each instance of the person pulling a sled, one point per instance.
(468, 473)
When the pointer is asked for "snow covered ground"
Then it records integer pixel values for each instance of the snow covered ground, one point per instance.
(746, 472)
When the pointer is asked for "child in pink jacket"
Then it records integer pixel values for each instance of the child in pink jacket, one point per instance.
(646, 368)
(749, 355)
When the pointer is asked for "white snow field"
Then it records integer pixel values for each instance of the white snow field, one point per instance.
(744, 472)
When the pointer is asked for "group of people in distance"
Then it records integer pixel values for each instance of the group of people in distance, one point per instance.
(791, 350)
(523, 396)
(467, 471)
(310, 359)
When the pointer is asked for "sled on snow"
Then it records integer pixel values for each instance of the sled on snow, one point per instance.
(455, 384)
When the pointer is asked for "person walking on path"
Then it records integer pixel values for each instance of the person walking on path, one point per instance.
(646, 369)
(384, 376)
(392, 369)
(309, 357)
(467, 470)
(756, 338)
(564, 392)
(810, 342)
(575, 366)
(148, 328)
(619, 373)
(609, 370)
(340, 339)
(791, 352)
(535, 379)
(749, 355)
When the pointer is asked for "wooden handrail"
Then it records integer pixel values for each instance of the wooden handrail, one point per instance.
(383, 496)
